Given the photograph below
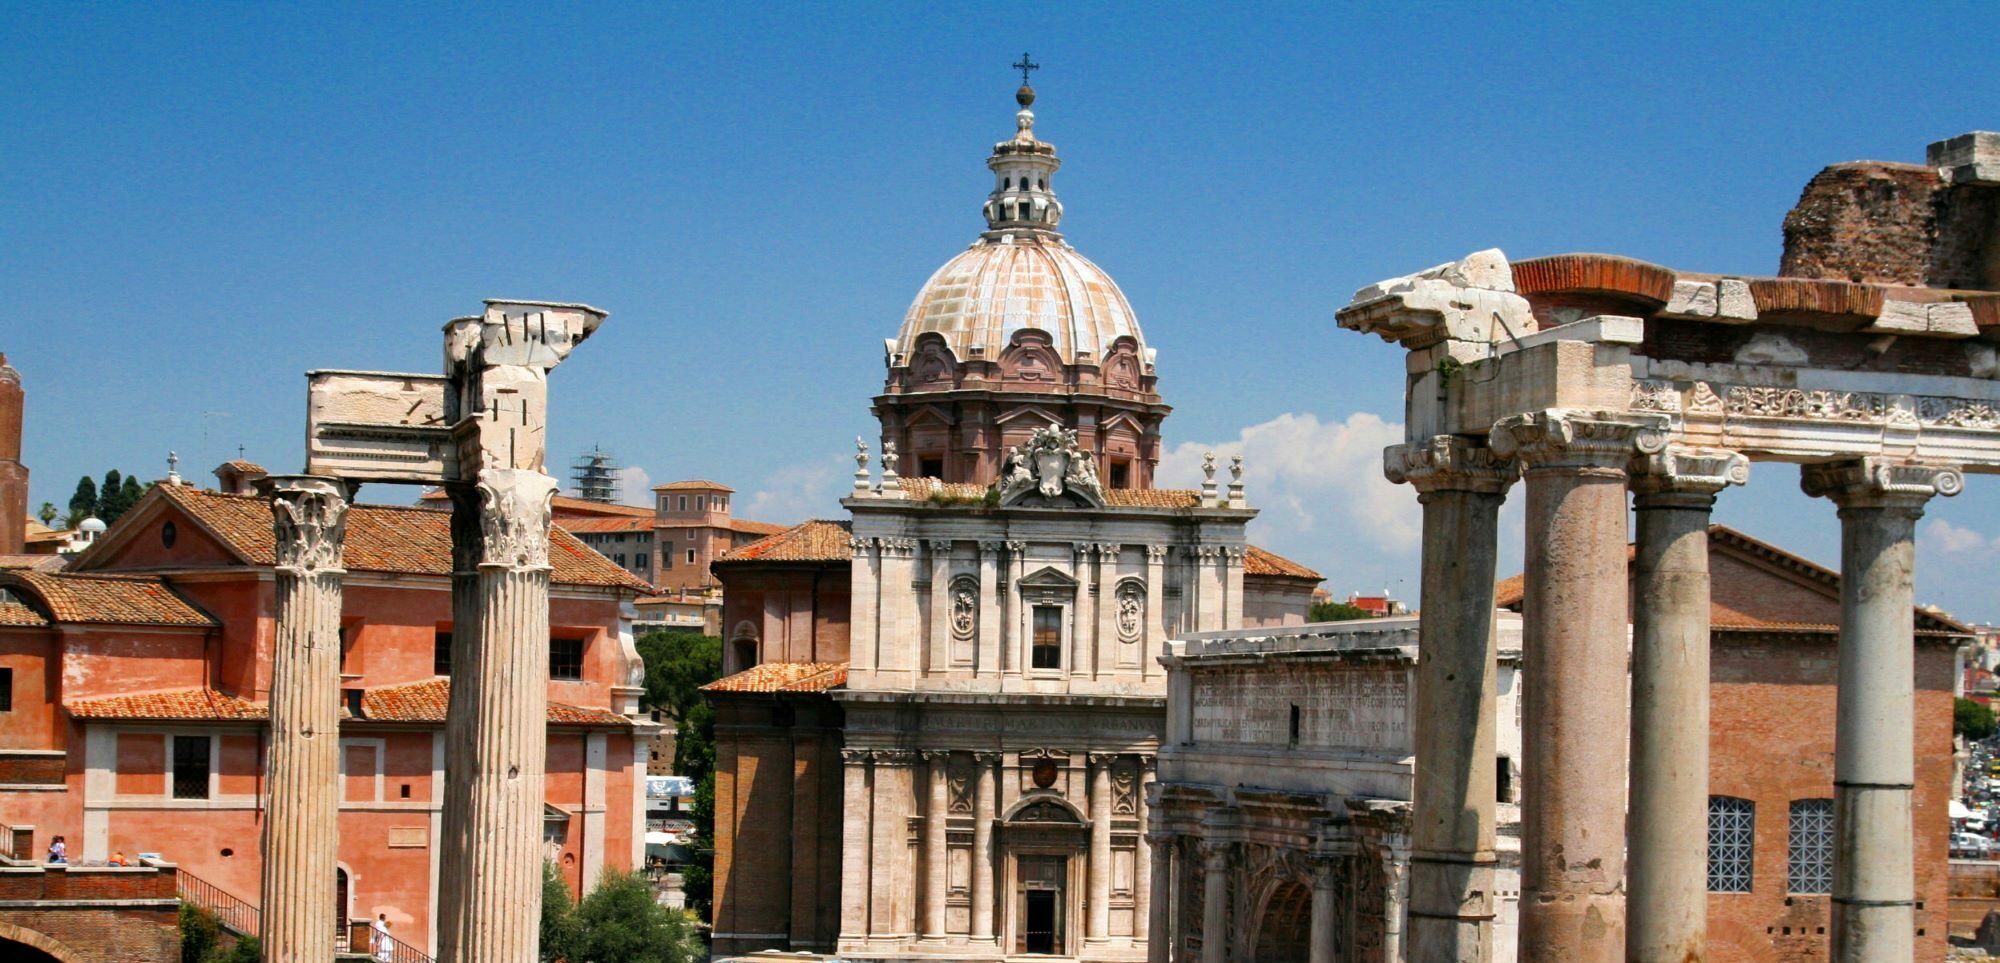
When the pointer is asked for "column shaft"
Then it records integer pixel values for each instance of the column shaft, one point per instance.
(301, 828)
(1215, 903)
(1575, 719)
(1142, 883)
(1874, 767)
(936, 877)
(1667, 875)
(1451, 866)
(1321, 948)
(982, 845)
(854, 848)
(1099, 927)
(1159, 925)
(496, 729)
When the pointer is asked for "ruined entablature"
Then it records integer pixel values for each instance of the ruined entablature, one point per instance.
(1472, 300)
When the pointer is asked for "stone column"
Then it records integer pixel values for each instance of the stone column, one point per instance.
(1099, 926)
(1142, 881)
(1215, 900)
(1159, 919)
(496, 724)
(1014, 648)
(1461, 486)
(302, 816)
(1395, 900)
(890, 890)
(986, 645)
(1232, 586)
(1575, 720)
(1082, 615)
(940, 660)
(936, 875)
(984, 786)
(1874, 768)
(855, 836)
(1666, 874)
(1321, 947)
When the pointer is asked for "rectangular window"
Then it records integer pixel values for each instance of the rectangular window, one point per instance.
(1809, 852)
(1046, 652)
(1732, 842)
(931, 467)
(1121, 474)
(700, 503)
(6, 690)
(566, 659)
(638, 561)
(690, 556)
(441, 652)
(191, 767)
(684, 503)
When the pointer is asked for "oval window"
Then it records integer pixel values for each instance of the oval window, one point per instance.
(168, 534)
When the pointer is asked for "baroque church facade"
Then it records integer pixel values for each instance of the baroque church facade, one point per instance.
(943, 712)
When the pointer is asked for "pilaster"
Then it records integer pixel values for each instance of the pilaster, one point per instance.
(940, 601)
(987, 644)
(936, 872)
(984, 766)
(1099, 910)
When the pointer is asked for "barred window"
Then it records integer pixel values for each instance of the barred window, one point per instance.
(1732, 840)
(191, 757)
(1809, 868)
(441, 652)
(566, 659)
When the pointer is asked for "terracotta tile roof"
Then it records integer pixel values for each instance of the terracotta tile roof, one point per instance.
(784, 677)
(1257, 561)
(755, 528)
(39, 562)
(118, 599)
(16, 614)
(47, 535)
(692, 484)
(610, 523)
(381, 538)
(966, 492)
(246, 467)
(191, 704)
(813, 541)
(426, 701)
(563, 505)
(675, 600)
(35, 527)
(927, 488)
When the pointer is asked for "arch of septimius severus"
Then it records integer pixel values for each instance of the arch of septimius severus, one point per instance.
(1625, 377)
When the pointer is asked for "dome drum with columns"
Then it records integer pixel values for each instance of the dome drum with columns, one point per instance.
(1018, 332)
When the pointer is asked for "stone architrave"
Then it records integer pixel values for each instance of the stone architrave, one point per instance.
(1666, 877)
(1461, 485)
(1573, 633)
(301, 829)
(1874, 757)
(496, 739)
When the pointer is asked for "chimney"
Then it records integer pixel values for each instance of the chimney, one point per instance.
(13, 474)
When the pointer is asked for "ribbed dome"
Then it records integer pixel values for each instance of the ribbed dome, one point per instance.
(1027, 280)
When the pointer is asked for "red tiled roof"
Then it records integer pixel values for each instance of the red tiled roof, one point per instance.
(16, 614)
(426, 701)
(49, 562)
(693, 484)
(813, 541)
(755, 528)
(47, 535)
(784, 677)
(380, 538)
(598, 525)
(1257, 561)
(246, 467)
(117, 599)
(563, 505)
(190, 704)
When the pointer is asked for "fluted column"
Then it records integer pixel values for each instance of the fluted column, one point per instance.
(1461, 486)
(855, 836)
(1159, 919)
(496, 725)
(936, 877)
(1142, 882)
(1575, 721)
(1215, 900)
(984, 786)
(1099, 926)
(301, 828)
(1874, 762)
(1667, 876)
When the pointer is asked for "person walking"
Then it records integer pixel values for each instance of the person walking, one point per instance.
(58, 851)
(378, 934)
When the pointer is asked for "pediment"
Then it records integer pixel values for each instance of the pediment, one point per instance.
(1049, 577)
(1044, 809)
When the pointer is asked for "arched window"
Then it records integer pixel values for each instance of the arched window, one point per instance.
(1732, 843)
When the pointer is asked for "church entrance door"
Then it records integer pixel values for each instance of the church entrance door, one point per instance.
(1041, 906)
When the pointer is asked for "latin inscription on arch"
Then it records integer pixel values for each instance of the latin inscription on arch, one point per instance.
(1362, 708)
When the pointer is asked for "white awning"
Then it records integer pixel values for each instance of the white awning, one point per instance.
(1959, 810)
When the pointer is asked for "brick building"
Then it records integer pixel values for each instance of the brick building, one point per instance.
(87, 914)
(136, 689)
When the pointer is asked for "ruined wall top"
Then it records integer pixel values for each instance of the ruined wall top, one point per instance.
(1931, 225)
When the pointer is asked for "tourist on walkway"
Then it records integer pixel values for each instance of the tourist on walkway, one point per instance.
(58, 851)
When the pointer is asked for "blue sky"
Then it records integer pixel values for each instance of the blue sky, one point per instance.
(200, 202)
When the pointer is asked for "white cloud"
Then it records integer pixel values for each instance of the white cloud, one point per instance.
(1954, 540)
(800, 491)
(1319, 486)
(635, 487)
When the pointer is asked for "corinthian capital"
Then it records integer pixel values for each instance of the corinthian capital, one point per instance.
(1681, 472)
(1449, 463)
(309, 518)
(1584, 440)
(514, 519)
(1877, 482)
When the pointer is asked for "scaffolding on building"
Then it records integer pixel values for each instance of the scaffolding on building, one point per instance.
(595, 476)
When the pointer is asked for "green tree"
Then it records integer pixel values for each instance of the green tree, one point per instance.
(620, 922)
(130, 493)
(47, 513)
(202, 940)
(1972, 720)
(678, 664)
(83, 503)
(698, 875)
(558, 917)
(1336, 612)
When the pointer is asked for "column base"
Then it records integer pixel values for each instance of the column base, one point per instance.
(1573, 927)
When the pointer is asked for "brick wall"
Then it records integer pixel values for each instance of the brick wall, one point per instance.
(1780, 691)
(1890, 223)
(139, 921)
(778, 802)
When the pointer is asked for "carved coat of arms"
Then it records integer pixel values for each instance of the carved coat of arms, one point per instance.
(1051, 469)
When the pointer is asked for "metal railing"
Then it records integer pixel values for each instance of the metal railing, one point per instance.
(359, 939)
(237, 915)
